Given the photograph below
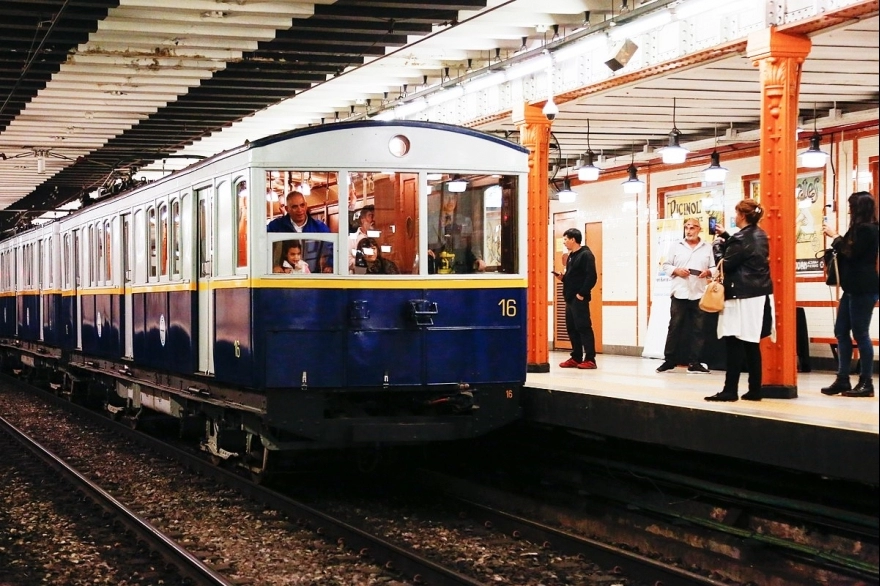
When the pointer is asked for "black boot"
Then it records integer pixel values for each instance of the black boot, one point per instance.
(865, 388)
(841, 383)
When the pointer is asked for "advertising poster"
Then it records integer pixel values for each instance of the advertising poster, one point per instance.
(809, 194)
(666, 233)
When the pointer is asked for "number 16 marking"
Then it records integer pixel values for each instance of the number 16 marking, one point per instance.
(508, 307)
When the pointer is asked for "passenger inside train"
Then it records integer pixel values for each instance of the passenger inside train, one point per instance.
(369, 259)
(291, 259)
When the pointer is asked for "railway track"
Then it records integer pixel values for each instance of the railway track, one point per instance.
(407, 564)
(126, 525)
(745, 528)
(633, 548)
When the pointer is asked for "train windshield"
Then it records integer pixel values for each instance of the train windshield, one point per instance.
(392, 223)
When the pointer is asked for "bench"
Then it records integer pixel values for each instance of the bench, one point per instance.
(832, 342)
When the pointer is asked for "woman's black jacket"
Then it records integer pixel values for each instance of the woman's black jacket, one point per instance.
(746, 263)
(857, 258)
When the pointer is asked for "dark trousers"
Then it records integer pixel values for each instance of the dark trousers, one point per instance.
(686, 331)
(854, 315)
(580, 330)
(738, 354)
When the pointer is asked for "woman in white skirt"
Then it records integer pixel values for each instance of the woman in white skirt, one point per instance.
(748, 313)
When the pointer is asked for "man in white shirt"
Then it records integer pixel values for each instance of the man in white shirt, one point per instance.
(688, 265)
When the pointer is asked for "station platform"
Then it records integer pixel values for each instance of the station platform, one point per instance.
(625, 398)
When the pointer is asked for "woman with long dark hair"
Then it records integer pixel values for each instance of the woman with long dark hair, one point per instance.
(748, 313)
(857, 271)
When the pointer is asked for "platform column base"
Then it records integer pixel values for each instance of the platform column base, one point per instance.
(538, 367)
(779, 392)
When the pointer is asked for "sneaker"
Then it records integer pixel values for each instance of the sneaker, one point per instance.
(697, 368)
(665, 366)
(588, 365)
(724, 397)
(570, 363)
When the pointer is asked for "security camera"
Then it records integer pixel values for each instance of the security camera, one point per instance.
(550, 110)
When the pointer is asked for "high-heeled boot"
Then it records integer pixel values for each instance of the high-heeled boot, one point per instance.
(840, 384)
(865, 388)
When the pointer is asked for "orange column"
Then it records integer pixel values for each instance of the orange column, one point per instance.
(780, 57)
(534, 133)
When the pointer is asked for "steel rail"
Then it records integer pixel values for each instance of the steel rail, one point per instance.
(187, 564)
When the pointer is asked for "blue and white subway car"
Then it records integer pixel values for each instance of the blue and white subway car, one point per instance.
(348, 285)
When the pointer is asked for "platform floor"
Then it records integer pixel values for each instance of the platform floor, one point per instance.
(626, 398)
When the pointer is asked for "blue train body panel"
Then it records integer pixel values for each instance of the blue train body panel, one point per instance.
(101, 325)
(233, 354)
(369, 338)
(52, 324)
(28, 314)
(8, 315)
(163, 330)
(68, 317)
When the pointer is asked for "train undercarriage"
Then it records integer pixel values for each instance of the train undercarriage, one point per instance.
(263, 432)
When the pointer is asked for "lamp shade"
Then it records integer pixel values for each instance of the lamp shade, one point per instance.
(715, 173)
(566, 195)
(633, 184)
(457, 185)
(674, 153)
(588, 171)
(814, 156)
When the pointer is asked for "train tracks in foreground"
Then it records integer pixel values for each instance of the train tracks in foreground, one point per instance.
(126, 526)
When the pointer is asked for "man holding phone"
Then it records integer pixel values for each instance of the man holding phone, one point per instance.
(577, 283)
(689, 264)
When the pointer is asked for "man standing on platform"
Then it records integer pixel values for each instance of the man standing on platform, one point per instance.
(578, 280)
(689, 263)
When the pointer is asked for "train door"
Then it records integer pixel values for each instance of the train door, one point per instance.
(41, 283)
(204, 274)
(77, 285)
(127, 304)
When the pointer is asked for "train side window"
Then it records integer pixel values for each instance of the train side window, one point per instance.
(65, 261)
(108, 257)
(151, 243)
(99, 254)
(472, 223)
(162, 240)
(175, 239)
(50, 268)
(243, 196)
(90, 278)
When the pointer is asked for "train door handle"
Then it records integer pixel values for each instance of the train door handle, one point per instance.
(422, 311)
(359, 310)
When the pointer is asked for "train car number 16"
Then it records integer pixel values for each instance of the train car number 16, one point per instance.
(508, 307)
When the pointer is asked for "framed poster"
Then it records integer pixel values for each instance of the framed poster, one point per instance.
(809, 194)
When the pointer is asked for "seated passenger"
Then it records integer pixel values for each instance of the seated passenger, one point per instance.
(369, 260)
(326, 264)
(291, 259)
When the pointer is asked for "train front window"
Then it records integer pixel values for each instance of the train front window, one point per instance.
(302, 201)
(383, 223)
(472, 223)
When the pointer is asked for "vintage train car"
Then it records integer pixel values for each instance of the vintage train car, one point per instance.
(348, 285)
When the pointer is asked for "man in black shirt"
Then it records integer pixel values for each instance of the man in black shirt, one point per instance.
(579, 279)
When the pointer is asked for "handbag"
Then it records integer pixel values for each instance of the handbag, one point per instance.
(713, 298)
(829, 265)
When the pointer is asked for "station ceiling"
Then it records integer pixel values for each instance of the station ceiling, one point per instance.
(94, 92)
